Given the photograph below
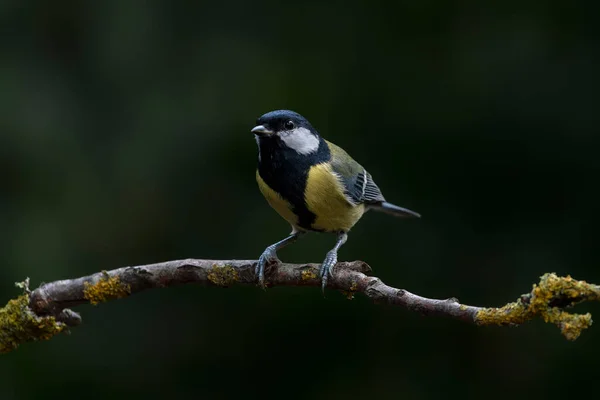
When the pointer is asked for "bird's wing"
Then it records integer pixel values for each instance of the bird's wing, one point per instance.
(358, 183)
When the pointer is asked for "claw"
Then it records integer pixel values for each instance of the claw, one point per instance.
(323, 285)
(327, 269)
(259, 270)
(270, 253)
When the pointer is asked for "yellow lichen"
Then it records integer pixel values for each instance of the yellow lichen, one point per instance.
(107, 288)
(570, 325)
(551, 288)
(511, 313)
(223, 275)
(350, 292)
(308, 275)
(19, 324)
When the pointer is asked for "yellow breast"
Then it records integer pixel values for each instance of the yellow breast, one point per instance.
(279, 204)
(324, 196)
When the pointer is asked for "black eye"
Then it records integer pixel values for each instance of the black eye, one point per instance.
(289, 125)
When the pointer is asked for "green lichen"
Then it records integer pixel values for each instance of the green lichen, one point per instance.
(541, 302)
(107, 288)
(19, 324)
(224, 275)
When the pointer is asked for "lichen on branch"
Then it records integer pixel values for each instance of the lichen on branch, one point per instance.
(107, 288)
(223, 275)
(45, 312)
(544, 301)
(18, 324)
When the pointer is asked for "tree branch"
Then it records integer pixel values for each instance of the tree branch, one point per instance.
(44, 312)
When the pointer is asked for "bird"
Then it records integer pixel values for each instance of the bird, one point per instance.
(313, 184)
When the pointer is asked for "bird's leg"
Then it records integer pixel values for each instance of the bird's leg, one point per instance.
(331, 259)
(270, 253)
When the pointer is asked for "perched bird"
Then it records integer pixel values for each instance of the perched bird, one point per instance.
(313, 184)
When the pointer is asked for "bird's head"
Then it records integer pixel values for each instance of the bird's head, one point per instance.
(289, 129)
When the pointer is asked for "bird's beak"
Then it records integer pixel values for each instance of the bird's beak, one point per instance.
(260, 130)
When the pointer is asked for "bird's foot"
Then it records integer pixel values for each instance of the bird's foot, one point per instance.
(259, 270)
(327, 268)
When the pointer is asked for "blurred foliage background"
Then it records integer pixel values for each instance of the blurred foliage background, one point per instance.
(124, 140)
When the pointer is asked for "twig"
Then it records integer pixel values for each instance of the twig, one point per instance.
(44, 312)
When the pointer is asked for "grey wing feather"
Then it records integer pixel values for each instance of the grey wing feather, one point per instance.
(359, 186)
(365, 190)
(358, 183)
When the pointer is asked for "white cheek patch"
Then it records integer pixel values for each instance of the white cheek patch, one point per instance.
(301, 140)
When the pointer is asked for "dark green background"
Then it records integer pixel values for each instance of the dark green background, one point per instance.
(124, 140)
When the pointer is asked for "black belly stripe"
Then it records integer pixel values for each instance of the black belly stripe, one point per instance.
(290, 186)
(286, 172)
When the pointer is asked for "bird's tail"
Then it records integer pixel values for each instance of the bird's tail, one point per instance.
(394, 210)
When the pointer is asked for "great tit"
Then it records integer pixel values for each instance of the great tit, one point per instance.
(313, 184)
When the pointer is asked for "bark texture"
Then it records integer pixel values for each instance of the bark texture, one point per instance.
(45, 311)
